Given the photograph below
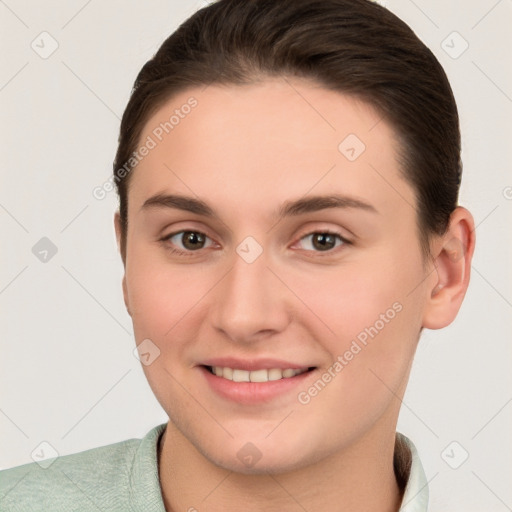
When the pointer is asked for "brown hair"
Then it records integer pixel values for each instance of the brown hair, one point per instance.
(355, 47)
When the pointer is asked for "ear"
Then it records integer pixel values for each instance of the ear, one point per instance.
(453, 253)
(117, 226)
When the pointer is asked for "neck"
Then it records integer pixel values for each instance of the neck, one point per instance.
(359, 478)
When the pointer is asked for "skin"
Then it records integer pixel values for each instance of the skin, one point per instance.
(246, 150)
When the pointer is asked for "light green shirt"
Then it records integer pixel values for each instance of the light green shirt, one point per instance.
(124, 477)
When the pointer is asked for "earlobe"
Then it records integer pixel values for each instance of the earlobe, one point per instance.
(450, 278)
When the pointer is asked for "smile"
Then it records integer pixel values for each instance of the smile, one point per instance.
(262, 375)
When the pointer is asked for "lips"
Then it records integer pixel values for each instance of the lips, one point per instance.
(255, 381)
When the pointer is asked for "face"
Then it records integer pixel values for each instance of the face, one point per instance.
(271, 239)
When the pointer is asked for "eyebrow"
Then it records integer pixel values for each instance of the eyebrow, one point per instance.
(289, 208)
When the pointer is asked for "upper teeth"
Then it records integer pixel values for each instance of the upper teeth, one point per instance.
(264, 375)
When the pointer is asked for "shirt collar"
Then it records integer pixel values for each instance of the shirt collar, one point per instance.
(409, 469)
(146, 494)
(145, 491)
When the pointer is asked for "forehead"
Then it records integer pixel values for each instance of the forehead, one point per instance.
(248, 146)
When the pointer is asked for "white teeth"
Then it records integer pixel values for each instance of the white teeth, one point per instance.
(227, 373)
(275, 374)
(241, 376)
(259, 376)
(263, 375)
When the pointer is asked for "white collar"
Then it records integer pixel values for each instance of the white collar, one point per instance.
(409, 467)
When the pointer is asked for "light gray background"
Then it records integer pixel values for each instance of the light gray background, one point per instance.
(68, 373)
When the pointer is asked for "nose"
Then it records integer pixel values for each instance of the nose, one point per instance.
(250, 303)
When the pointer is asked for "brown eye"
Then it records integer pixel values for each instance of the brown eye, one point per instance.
(188, 241)
(192, 240)
(322, 241)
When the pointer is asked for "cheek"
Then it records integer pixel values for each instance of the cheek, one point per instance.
(373, 323)
(350, 298)
(163, 301)
(160, 294)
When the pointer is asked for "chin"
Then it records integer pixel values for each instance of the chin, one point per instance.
(276, 465)
(259, 458)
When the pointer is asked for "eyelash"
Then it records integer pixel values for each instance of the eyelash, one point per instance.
(329, 252)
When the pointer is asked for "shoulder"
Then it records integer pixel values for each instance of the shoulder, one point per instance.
(71, 482)
(95, 479)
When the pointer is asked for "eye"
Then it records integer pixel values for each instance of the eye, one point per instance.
(322, 241)
(187, 241)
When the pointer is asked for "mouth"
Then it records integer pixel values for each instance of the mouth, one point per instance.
(257, 383)
(261, 375)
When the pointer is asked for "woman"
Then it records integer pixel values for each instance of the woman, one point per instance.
(288, 174)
